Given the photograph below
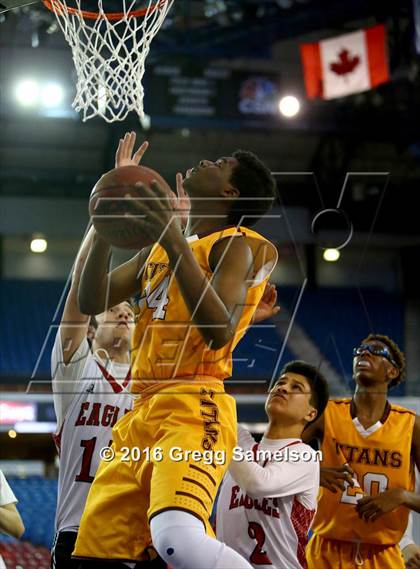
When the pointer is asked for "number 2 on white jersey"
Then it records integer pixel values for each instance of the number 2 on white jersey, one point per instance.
(158, 298)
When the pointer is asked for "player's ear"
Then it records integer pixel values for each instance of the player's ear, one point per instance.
(230, 192)
(311, 415)
(393, 372)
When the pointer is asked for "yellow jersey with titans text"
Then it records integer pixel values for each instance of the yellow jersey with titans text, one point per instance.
(381, 459)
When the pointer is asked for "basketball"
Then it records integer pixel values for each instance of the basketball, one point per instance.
(108, 205)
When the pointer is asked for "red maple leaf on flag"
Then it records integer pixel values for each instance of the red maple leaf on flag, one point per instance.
(345, 64)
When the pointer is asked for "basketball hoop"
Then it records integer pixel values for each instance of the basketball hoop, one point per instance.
(109, 52)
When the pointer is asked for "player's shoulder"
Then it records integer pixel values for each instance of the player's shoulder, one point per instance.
(339, 403)
(400, 410)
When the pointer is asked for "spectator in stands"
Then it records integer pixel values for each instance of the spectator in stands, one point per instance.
(10, 520)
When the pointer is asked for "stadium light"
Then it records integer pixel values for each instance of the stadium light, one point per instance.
(38, 245)
(12, 433)
(289, 106)
(52, 94)
(27, 92)
(331, 255)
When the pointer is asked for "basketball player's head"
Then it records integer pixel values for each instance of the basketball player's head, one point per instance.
(114, 328)
(245, 184)
(299, 396)
(378, 360)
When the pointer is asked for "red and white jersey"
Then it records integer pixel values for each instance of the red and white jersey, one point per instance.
(88, 401)
(268, 500)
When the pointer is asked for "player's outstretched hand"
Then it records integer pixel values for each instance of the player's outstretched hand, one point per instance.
(124, 155)
(181, 201)
(411, 555)
(267, 306)
(371, 508)
(334, 478)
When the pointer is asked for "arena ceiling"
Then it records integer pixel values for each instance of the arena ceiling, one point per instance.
(373, 132)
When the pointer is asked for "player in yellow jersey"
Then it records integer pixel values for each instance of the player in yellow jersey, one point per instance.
(369, 451)
(199, 291)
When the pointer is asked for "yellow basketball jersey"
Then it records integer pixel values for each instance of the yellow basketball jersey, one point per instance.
(381, 459)
(166, 343)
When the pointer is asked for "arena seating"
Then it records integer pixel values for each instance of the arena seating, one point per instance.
(37, 498)
(24, 555)
(338, 319)
(335, 319)
(23, 330)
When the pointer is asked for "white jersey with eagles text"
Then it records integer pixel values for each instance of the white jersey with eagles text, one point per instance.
(266, 505)
(89, 398)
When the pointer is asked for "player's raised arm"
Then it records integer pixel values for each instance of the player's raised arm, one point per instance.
(276, 479)
(74, 324)
(99, 288)
(216, 304)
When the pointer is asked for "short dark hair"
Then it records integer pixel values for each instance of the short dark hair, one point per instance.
(318, 383)
(397, 355)
(252, 179)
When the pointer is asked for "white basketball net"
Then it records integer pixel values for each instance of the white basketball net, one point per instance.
(109, 56)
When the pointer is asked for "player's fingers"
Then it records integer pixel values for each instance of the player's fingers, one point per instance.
(372, 515)
(269, 292)
(131, 139)
(329, 487)
(339, 484)
(266, 294)
(123, 149)
(180, 185)
(138, 155)
(276, 310)
(342, 475)
(118, 151)
(159, 192)
(363, 502)
(156, 197)
(365, 509)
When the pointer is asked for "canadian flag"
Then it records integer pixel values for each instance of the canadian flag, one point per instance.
(346, 64)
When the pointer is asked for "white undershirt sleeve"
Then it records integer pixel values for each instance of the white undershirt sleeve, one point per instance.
(407, 538)
(245, 439)
(277, 479)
